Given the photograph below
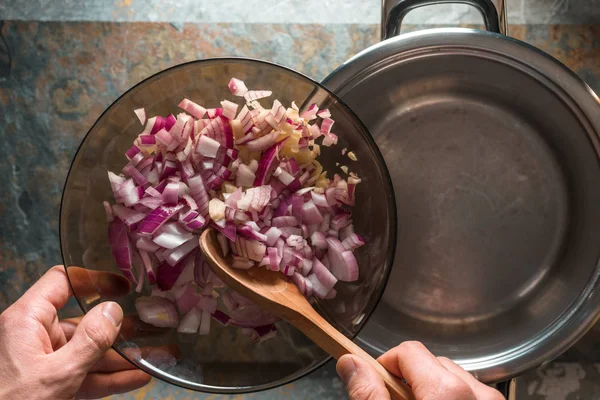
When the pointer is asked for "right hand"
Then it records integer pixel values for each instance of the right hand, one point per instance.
(430, 377)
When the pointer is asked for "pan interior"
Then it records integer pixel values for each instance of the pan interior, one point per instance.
(493, 173)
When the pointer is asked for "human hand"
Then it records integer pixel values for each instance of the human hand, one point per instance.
(430, 378)
(42, 358)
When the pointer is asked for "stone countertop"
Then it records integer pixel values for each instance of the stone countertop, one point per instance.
(56, 78)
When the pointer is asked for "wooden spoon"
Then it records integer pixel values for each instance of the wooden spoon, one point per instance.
(271, 291)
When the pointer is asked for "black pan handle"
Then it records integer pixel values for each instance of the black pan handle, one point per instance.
(394, 11)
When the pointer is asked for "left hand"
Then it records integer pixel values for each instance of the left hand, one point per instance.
(44, 358)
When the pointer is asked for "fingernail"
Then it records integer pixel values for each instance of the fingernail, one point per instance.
(347, 368)
(113, 312)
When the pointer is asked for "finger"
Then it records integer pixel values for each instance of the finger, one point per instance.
(411, 360)
(456, 369)
(93, 337)
(52, 288)
(90, 285)
(112, 362)
(361, 380)
(97, 385)
(424, 373)
(132, 327)
(41, 302)
(69, 326)
(482, 391)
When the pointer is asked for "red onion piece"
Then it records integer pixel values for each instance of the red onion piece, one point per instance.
(205, 323)
(190, 321)
(244, 177)
(207, 147)
(208, 304)
(121, 247)
(324, 113)
(157, 311)
(311, 113)
(186, 298)
(157, 218)
(251, 95)
(109, 211)
(132, 152)
(237, 87)
(229, 109)
(148, 266)
(141, 114)
(192, 108)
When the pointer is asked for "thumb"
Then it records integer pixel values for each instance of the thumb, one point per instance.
(362, 381)
(94, 335)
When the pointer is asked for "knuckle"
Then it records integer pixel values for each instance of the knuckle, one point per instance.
(96, 337)
(445, 360)
(491, 394)
(60, 269)
(457, 387)
(411, 346)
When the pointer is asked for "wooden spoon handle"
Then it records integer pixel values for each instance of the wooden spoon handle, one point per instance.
(335, 343)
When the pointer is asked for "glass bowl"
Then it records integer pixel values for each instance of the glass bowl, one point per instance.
(223, 362)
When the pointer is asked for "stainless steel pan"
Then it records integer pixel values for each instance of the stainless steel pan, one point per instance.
(493, 148)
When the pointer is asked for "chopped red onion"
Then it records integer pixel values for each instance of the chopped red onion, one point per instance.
(185, 172)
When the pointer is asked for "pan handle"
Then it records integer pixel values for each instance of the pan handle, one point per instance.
(394, 11)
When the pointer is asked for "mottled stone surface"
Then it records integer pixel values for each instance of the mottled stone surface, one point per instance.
(277, 11)
(56, 78)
